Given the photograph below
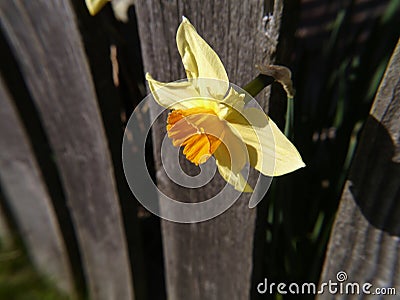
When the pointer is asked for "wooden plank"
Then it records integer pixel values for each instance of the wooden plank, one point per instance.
(6, 237)
(48, 47)
(212, 259)
(97, 33)
(28, 199)
(365, 241)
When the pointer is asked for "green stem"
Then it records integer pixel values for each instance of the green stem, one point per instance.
(255, 86)
(260, 82)
(289, 119)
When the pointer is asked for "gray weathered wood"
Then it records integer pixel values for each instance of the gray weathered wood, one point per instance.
(6, 236)
(47, 45)
(28, 199)
(213, 259)
(365, 241)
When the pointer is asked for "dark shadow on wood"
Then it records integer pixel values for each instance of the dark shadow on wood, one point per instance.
(365, 236)
(99, 33)
(377, 196)
(7, 221)
(259, 248)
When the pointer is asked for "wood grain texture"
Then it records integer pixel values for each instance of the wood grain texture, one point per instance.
(212, 259)
(365, 241)
(97, 34)
(28, 199)
(47, 45)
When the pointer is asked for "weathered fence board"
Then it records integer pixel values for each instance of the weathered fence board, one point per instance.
(213, 259)
(6, 238)
(365, 241)
(28, 200)
(47, 45)
(97, 34)
(5, 231)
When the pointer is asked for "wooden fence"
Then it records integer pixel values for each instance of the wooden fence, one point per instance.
(60, 165)
(49, 51)
(365, 239)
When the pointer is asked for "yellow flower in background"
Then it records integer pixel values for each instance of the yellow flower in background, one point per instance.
(209, 118)
(94, 6)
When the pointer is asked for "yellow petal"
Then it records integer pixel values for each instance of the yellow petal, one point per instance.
(173, 95)
(94, 6)
(201, 61)
(232, 103)
(230, 157)
(236, 179)
(270, 152)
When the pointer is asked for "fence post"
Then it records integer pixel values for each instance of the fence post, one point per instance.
(28, 199)
(212, 259)
(365, 238)
(49, 50)
(5, 231)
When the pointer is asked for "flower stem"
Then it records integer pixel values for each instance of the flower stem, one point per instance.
(289, 118)
(255, 86)
(268, 75)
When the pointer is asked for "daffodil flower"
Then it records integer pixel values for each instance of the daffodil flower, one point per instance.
(209, 118)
